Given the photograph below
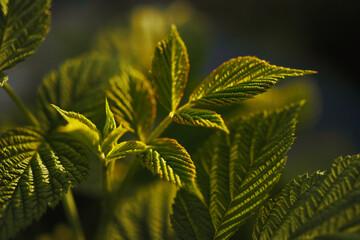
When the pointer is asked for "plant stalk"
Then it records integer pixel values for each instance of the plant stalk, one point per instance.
(116, 196)
(159, 129)
(27, 113)
(72, 215)
(165, 123)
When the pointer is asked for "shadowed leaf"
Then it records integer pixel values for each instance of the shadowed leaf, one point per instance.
(23, 25)
(132, 102)
(78, 85)
(323, 205)
(236, 172)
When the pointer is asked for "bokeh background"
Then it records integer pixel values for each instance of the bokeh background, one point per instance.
(321, 35)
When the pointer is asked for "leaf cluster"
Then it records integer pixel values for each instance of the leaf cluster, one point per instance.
(92, 101)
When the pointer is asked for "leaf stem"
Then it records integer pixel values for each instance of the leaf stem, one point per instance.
(28, 114)
(160, 128)
(72, 215)
(165, 123)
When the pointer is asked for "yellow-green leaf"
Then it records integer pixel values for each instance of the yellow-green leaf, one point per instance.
(169, 69)
(132, 102)
(239, 79)
(110, 124)
(199, 117)
(169, 160)
(23, 25)
(124, 149)
(35, 171)
(111, 140)
(3, 79)
(81, 128)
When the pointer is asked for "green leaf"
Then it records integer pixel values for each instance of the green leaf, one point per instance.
(35, 170)
(124, 149)
(23, 25)
(3, 78)
(239, 79)
(132, 102)
(110, 123)
(111, 140)
(196, 223)
(80, 128)
(315, 206)
(144, 216)
(199, 117)
(170, 67)
(168, 159)
(78, 85)
(236, 172)
(4, 6)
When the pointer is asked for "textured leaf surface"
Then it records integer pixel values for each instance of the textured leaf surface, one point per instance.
(81, 128)
(168, 159)
(3, 79)
(34, 172)
(317, 206)
(110, 123)
(78, 85)
(239, 79)
(124, 149)
(111, 140)
(144, 216)
(196, 222)
(199, 117)
(235, 172)
(132, 101)
(23, 25)
(170, 67)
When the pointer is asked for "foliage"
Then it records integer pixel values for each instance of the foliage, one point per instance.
(101, 103)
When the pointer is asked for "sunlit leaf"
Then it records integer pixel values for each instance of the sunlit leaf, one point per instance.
(124, 149)
(170, 67)
(315, 206)
(169, 160)
(78, 85)
(3, 79)
(111, 140)
(110, 123)
(199, 117)
(132, 102)
(239, 79)
(35, 170)
(81, 128)
(23, 25)
(236, 172)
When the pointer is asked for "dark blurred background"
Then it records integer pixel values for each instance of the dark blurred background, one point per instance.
(320, 35)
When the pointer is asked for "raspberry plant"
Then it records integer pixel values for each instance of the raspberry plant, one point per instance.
(229, 179)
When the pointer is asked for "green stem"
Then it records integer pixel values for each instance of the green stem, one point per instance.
(116, 197)
(72, 215)
(28, 114)
(165, 123)
(159, 129)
